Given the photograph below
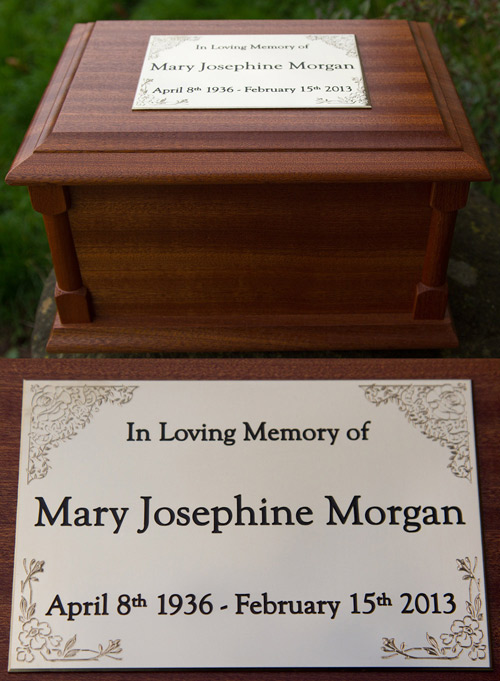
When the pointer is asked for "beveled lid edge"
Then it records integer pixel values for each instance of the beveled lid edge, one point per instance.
(52, 100)
(247, 167)
(34, 166)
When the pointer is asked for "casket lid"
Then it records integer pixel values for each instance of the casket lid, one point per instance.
(85, 131)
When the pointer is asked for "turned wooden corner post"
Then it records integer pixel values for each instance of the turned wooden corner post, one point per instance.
(72, 298)
(431, 296)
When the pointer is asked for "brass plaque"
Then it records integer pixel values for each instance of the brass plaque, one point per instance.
(251, 72)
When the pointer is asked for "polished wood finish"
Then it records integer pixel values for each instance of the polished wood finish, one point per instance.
(252, 333)
(173, 217)
(432, 291)
(72, 297)
(485, 375)
(250, 249)
(415, 108)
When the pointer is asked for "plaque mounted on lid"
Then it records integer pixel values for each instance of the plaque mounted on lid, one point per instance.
(251, 72)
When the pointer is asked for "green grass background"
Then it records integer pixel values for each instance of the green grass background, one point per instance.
(33, 34)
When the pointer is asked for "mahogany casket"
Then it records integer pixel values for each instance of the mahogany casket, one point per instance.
(249, 229)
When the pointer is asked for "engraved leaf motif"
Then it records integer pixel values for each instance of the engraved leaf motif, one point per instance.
(431, 651)
(23, 607)
(433, 642)
(69, 644)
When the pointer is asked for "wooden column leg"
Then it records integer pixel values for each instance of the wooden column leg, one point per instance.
(72, 298)
(431, 295)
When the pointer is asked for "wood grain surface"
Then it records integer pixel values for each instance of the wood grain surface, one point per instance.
(251, 333)
(174, 215)
(416, 128)
(485, 375)
(250, 249)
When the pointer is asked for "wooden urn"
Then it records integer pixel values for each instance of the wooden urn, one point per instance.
(249, 229)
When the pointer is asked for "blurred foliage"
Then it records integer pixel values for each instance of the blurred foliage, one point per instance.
(468, 33)
(224, 9)
(33, 34)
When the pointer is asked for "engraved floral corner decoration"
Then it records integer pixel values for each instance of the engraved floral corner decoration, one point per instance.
(348, 46)
(37, 638)
(465, 634)
(158, 46)
(60, 412)
(438, 411)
